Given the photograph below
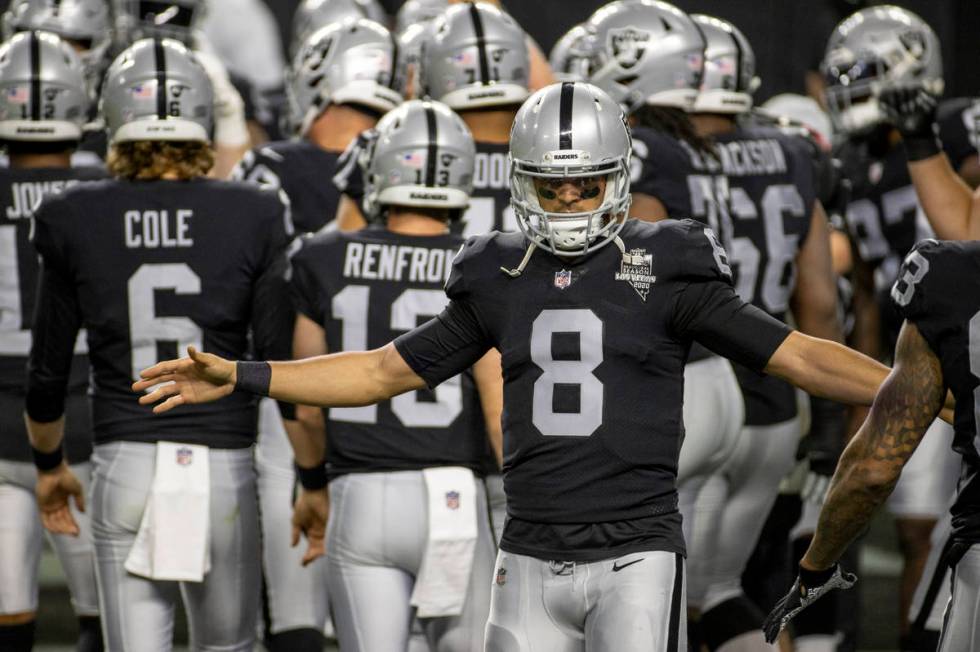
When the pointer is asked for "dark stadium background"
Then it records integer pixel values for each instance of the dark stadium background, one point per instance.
(788, 37)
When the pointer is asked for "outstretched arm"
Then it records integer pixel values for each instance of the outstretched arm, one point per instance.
(907, 404)
(827, 369)
(347, 379)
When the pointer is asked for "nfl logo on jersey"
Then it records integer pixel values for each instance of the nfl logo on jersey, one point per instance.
(184, 456)
(452, 499)
(563, 279)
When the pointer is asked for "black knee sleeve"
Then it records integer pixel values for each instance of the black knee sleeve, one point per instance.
(89, 634)
(295, 640)
(17, 638)
(728, 620)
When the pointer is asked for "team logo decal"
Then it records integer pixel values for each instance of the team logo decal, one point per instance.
(452, 500)
(563, 279)
(637, 270)
(501, 578)
(184, 456)
(628, 45)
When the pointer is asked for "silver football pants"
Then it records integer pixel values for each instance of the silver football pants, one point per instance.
(21, 542)
(376, 540)
(296, 595)
(138, 613)
(635, 602)
(961, 631)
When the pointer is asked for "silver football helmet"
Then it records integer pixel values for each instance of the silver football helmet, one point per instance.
(157, 90)
(174, 19)
(476, 56)
(344, 63)
(43, 94)
(646, 52)
(729, 68)
(416, 12)
(570, 129)
(84, 23)
(569, 56)
(875, 48)
(421, 154)
(312, 15)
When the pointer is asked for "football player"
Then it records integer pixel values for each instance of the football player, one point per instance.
(594, 315)
(312, 15)
(44, 103)
(876, 49)
(337, 87)
(180, 19)
(388, 462)
(159, 257)
(780, 252)
(934, 352)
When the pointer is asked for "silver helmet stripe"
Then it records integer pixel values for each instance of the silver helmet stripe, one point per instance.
(160, 57)
(481, 43)
(565, 115)
(432, 155)
(35, 76)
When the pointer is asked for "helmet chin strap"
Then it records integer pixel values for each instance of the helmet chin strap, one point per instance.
(514, 273)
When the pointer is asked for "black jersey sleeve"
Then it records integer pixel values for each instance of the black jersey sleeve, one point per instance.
(57, 317)
(958, 128)
(271, 314)
(349, 178)
(659, 170)
(457, 338)
(924, 282)
(708, 310)
(304, 289)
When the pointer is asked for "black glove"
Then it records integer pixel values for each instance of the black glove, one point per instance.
(912, 110)
(809, 587)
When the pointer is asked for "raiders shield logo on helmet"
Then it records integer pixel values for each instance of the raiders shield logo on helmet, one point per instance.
(628, 45)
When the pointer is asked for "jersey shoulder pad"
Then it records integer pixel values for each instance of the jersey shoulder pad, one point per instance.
(480, 261)
(251, 203)
(681, 249)
(928, 275)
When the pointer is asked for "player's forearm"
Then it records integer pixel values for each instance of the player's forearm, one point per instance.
(307, 435)
(855, 494)
(347, 379)
(827, 369)
(45, 436)
(944, 197)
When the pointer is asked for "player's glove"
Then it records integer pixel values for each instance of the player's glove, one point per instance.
(912, 110)
(808, 588)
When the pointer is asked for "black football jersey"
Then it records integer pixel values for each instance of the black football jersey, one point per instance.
(148, 268)
(303, 171)
(938, 290)
(769, 191)
(365, 288)
(21, 191)
(490, 208)
(593, 354)
(664, 167)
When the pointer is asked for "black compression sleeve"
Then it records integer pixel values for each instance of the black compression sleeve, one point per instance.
(445, 346)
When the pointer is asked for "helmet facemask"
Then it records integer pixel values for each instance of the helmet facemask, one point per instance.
(571, 233)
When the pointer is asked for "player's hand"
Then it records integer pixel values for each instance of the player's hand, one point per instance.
(310, 518)
(808, 588)
(53, 490)
(201, 378)
(911, 109)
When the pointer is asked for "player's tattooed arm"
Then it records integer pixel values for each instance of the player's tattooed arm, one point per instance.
(908, 402)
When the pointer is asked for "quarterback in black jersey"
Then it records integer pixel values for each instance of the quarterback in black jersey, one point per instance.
(935, 352)
(133, 261)
(38, 167)
(357, 290)
(593, 330)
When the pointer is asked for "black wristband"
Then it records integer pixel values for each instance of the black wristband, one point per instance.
(253, 377)
(922, 147)
(812, 579)
(312, 479)
(47, 461)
